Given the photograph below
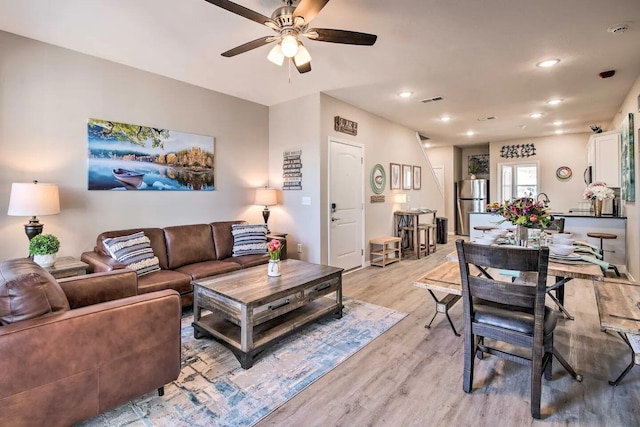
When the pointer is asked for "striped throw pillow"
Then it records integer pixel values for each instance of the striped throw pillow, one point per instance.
(249, 239)
(134, 251)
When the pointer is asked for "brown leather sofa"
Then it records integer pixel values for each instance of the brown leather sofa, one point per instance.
(185, 252)
(72, 349)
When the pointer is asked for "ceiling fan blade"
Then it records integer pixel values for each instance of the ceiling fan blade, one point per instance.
(243, 11)
(308, 9)
(248, 46)
(304, 68)
(341, 36)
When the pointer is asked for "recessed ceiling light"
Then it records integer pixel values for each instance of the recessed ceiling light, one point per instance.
(405, 94)
(557, 123)
(559, 132)
(470, 133)
(535, 115)
(547, 63)
(445, 118)
(554, 101)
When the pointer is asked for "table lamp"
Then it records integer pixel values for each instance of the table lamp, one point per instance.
(266, 197)
(400, 198)
(32, 199)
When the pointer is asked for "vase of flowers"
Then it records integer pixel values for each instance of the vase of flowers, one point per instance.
(274, 247)
(597, 192)
(524, 213)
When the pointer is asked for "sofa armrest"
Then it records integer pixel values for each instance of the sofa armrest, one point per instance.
(86, 361)
(99, 262)
(90, 289)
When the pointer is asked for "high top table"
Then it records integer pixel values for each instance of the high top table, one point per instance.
(410, 218)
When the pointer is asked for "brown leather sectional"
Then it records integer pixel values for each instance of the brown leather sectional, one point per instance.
(185, 252)
(74, 348)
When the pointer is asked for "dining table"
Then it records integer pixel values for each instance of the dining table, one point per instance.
(409, 219)
(619, 312)
(445, 278)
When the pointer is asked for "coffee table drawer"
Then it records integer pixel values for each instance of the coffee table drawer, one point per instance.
(268, 311)
(322, 288)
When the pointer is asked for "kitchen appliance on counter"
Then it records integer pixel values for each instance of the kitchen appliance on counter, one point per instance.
(471, 196)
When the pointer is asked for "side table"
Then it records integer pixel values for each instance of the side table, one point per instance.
(67, 266)
(385, 250)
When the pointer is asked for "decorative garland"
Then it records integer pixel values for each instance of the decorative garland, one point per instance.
(517, 151)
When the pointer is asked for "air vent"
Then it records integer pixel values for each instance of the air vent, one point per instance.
(618, 28)
(434, 99)
(484, 119)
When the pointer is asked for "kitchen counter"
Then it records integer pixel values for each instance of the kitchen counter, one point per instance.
(577, 223)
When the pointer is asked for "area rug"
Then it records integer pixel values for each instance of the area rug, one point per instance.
(213, 390)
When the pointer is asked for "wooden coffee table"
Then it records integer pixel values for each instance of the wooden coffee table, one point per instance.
(247, 310)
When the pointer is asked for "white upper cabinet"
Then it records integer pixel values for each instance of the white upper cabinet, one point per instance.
(603, 156)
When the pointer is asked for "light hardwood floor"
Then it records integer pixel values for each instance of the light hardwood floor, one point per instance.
(412, 376)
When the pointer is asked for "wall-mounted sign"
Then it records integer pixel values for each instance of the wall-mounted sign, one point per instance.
(292, 170)
(345, 126)
(377, 199)
(517, 151)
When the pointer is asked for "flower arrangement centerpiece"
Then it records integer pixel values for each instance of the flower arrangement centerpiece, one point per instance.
(597, 192)
(526, 212)
(274, 247)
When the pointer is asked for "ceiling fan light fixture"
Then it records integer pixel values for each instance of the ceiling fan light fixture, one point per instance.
(276, 56)
(302, 57)
(289, 46)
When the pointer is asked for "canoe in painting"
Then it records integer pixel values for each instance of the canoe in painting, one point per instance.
(128, 177)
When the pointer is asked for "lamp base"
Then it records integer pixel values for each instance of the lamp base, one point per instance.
(265, 214)
(33, 228)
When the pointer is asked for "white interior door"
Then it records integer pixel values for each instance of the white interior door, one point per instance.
(346, 204)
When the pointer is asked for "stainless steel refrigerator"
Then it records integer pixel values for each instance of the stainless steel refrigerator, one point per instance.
(471, 196)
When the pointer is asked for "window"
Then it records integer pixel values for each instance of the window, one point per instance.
(517, 180)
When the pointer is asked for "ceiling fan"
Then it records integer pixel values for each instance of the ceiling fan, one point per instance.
(290, 23)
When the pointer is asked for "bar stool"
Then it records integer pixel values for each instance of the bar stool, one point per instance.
(603, 236)
(483, 228)
(423, 240)
(406, 240)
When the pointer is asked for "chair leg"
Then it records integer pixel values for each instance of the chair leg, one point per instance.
(536, 386)
(548, 350)
(469, 350)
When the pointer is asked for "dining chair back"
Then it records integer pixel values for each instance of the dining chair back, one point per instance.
(512, 313)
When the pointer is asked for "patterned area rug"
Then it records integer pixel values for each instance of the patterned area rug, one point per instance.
(213, 390)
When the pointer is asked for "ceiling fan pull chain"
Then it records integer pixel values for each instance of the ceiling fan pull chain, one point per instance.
(289, 70)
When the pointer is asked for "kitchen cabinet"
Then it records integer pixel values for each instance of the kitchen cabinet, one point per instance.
(603, 155)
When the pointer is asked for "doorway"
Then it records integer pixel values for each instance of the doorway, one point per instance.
(346, 204)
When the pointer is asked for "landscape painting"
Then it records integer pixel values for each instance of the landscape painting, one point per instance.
(134, 157)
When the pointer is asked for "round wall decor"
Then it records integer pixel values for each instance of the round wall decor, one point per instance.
(378, 179)
(563, 172)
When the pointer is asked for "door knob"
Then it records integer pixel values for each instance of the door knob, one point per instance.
(334, 219)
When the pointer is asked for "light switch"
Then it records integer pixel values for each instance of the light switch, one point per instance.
(306, 201)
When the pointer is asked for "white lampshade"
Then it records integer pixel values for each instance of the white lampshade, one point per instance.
(32, 199)
(289, 46)
(400, 198)
(266, 197)
(302, 57)
(275, 55)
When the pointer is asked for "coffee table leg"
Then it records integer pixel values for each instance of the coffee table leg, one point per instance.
(198, 332)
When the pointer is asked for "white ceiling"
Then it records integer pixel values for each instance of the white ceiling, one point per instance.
(479, 55)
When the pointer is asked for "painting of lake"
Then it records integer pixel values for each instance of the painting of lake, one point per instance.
(135, 157)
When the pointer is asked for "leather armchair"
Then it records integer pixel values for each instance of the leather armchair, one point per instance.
(109, 347)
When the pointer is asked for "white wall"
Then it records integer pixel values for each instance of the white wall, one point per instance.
(630, 105)
(295, 125)
(384, 142)
(551, 152)
(46, 96)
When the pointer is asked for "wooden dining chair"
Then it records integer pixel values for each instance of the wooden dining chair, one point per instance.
(508, 312)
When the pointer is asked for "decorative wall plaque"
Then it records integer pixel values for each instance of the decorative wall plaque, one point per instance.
(517, 151)
(377, 199)
(292, 170)
(345, 126)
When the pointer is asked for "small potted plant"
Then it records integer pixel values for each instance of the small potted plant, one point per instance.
(44, 248)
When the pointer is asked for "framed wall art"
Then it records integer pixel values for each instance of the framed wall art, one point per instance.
(123, 156)
(394, 176)
(627, 174)
(417, 177)
(406, 177)
(378, 179)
